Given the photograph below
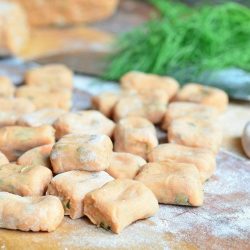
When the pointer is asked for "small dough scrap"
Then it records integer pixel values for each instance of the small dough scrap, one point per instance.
(15, 140)
(173, 183)
(140, 82)
(187, 109)
(24, 180)
(12, 108)
(198, 133)
(42, 213)
(71, 187)
(203, 159)
(119, 203)
(125, 165)
(40, 117)
(81, 152)
(148, 104)
(7, 88)
(198, 93)
(51, 75)
(135, 135)
(246, 139)
(83, 122)
(14, 29)
(38, 156)
(46, 97)
(3, 159)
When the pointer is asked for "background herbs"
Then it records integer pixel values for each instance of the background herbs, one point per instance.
(185, 42)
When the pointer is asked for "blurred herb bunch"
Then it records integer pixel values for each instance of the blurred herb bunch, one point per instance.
(184, 42)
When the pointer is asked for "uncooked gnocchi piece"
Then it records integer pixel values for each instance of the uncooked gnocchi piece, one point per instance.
(24, 180)
(40, 117)
(3, 159)
(16, 140)
(40, 213)
(83, 122)
(202, 158)
(51, 75)
(71, 187)
(173, 183)
(141, 81)
(188, 109)
(38, 156)
(198, 93)
(119, 203)
(125, 165)
(46, 97)
(198, 133)
(81, 152)
(135, 135)
(7, 88)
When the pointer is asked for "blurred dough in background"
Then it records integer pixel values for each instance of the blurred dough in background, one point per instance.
(65, 12)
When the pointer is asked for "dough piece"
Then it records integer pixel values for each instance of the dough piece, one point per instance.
(24, 180)
(15, 140)
(210, 96)
(62, 12)
(187, 109)
(44, 213)
(140, 82)
(39, 156)
(81, 152)
(84, 122)
(14, 28)
(46, 97)
(135, 135)
(7, 88)
(203, 159)
(246, 139)
(173, 183)
(51, 75)
(3, 159)
(148, 104)
(12, 108)
(119, 203)
(196, 133)
(40, 117)
(105, 102)
(71, 187)
(125, 165)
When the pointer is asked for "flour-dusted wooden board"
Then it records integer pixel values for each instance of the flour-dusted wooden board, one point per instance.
(221, 223)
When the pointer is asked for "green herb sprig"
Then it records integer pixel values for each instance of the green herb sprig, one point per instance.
(185, 42)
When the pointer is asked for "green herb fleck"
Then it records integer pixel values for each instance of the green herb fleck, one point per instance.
(182, 199)
(105, 226)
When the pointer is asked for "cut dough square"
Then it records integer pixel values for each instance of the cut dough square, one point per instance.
(198, 93)
(46, 97)
(40, 117)
(40, 213)
(140, 82)
(120, 203)
(83, 122)
(16, 140)
(125, 165)
(71, 187)
(38, 156)
(173, 183)
(135, 135)
(7, 88)
(203, 159)
(24, 180)
(51, 75)
(177, 110)
(198, 133)
(14, 28)
(81, 152)
(3, 159)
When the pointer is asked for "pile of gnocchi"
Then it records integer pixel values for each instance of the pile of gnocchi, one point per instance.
(105, 163)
